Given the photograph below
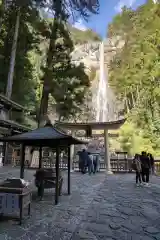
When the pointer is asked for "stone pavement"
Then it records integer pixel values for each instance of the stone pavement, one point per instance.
(100, 207)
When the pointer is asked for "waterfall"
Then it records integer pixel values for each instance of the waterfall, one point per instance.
(105, 105)
(102, 90)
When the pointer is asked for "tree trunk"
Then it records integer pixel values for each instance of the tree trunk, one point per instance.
(47, 76)
(49, 69)
(43, 106)
(13, 57)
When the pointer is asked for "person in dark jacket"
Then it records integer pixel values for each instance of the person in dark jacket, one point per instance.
(79, 153)
(84, 160)
(151, 158)
(145, 163)
(95, 163)
(39, 180)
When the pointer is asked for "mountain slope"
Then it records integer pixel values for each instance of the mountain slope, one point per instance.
(81, 37)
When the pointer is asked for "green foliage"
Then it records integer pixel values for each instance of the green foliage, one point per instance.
(81, 37)
(28, 43)
(133, 140)
(62, 11)
(68, 82)
(135, 72)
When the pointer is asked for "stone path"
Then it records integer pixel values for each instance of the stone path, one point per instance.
(100, 207)
(122, 211)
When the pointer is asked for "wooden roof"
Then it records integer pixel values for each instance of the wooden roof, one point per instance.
(12, 125)
(111, 125)
(4, 131)
(118, 152)
(44, 136)
(98, 135)
(8, 103)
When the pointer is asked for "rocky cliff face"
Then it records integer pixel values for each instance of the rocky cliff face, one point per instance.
(89, 55)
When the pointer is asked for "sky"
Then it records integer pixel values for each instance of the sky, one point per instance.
(108, 9)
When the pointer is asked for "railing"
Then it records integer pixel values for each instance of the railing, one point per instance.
(157, 166)
(117, 165)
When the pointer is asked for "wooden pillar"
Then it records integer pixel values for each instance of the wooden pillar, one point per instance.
(22, 157)
(57, 176)
(69, 170)
(6, 153)
(72, 150)
(117, 162)
(107, 157)
(40, 157)
(3, 153)
(71, 157)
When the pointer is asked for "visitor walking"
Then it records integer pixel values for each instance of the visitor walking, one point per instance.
(138, 169)
(39, 182)
(98, 162)
(83, 160)
(151, 158)
(90, 163)
(14, 157)
(95, 162)
(80, 161)
(145, 164)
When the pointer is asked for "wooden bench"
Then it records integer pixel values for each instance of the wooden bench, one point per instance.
(49, 179)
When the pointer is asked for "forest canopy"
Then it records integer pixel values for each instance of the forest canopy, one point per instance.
(135, 76)
(28, 39)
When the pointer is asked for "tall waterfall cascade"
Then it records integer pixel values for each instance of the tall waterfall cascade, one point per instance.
(106, 108)
(96, 56)
(102, 91)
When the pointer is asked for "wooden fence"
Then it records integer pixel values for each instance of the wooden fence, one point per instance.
(117, 165)
(120, 165)
(157, 166)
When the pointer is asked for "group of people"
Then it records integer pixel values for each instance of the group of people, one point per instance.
(143, 164)
(87, 161)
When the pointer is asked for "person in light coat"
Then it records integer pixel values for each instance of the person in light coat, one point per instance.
(90, 164)
(138, 169)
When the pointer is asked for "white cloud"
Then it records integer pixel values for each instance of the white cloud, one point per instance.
(122, 3)
(80, 25)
